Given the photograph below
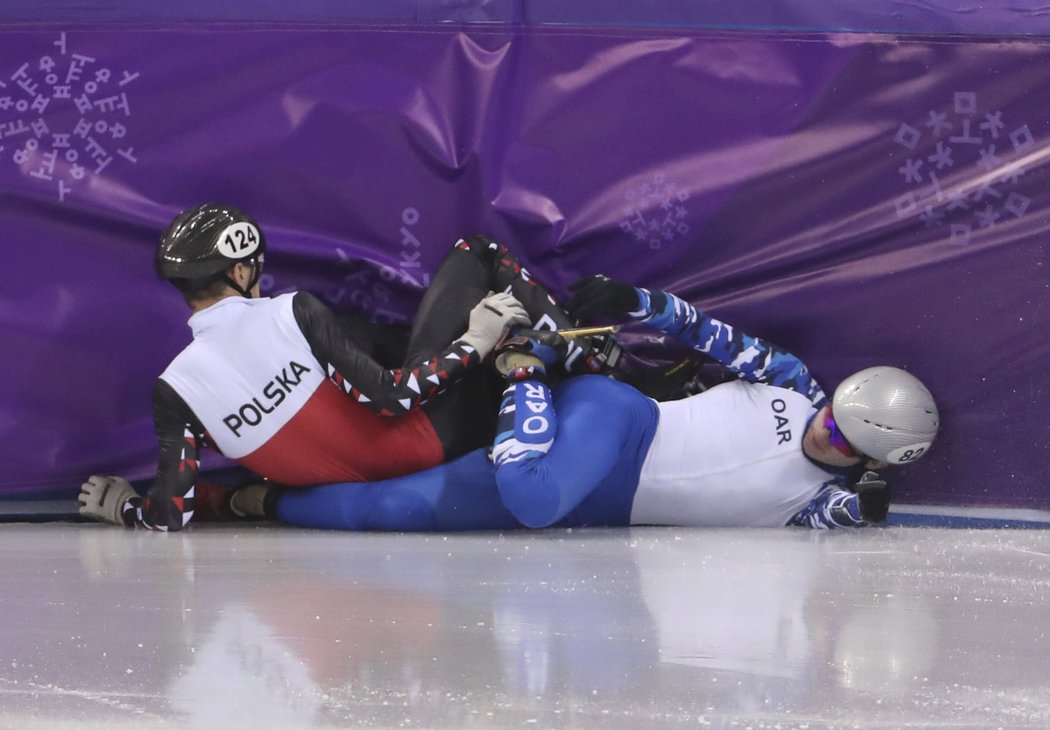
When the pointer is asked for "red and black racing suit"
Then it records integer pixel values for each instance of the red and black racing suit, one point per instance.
(278, 386)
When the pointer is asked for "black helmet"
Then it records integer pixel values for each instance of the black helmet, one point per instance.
(203, 242)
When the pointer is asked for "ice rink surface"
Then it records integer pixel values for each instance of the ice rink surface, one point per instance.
(254, 627)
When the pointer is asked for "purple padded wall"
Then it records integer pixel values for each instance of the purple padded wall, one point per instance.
(856, 198)
(969, 17)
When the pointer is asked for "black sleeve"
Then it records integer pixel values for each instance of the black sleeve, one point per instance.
(387, 392)
(170, 502)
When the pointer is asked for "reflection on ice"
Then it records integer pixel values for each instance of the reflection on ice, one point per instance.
(618, 628)
(882, 648)
(260, 679)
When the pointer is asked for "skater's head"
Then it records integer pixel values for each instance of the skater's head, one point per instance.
(878, 416)
(212, 251)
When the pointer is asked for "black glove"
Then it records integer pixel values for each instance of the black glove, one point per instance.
(598, 294)
(874, 497)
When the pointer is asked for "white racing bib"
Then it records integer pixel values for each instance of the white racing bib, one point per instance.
(239, 240)
(248, 371)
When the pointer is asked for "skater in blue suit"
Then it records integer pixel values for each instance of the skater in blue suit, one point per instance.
(768, 448)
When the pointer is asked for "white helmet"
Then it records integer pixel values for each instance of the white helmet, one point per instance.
(886, 413)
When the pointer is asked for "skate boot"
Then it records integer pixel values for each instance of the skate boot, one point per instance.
(529, 349)
(255, 501)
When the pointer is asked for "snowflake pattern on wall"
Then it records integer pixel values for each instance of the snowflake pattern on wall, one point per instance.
(981, 156)
(654, 212)
(46, 142)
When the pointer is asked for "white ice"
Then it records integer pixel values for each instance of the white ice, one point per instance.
(261, 627)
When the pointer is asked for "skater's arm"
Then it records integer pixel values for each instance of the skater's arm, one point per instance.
(751, 358)
(393, 392)
(866, 504)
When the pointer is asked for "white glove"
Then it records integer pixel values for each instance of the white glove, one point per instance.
(103, 498)
(490, 318)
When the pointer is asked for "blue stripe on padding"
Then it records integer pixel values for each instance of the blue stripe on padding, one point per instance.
(967, 517)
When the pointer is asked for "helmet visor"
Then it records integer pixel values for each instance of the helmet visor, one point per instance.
(835, 437)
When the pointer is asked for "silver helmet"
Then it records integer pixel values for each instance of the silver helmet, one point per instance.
(886, 413)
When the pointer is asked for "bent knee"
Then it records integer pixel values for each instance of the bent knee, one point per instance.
(531, 499)
(481, 246)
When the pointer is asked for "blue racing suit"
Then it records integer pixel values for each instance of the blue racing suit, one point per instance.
(597, 452)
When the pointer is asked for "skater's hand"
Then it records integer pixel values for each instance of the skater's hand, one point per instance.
(489, 320)
(103, 498)
(874, 496)
(600, 295)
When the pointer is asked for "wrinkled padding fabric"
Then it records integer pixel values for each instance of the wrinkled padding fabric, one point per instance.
(1018, 18)
(856, 198)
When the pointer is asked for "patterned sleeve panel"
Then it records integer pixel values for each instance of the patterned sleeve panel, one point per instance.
(383, 391)
(170, 502)
(832, 508)
(751, 358)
